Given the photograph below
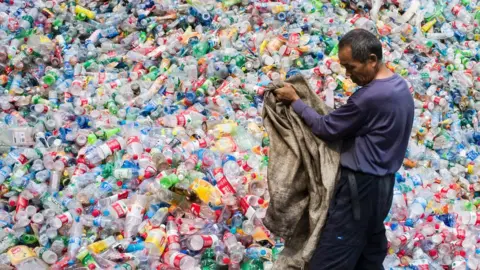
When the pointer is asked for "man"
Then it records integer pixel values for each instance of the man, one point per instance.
(375, 126)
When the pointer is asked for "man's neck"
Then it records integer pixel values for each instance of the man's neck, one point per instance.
(383, 72)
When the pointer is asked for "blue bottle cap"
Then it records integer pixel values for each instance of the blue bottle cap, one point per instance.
(409, 222)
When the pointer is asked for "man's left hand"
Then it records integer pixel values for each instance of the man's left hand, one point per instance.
(286, 94)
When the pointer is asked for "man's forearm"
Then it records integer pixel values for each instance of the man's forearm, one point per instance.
(334, 126)
(311, 118)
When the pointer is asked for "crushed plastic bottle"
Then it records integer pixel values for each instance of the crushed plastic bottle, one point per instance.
(133, 135)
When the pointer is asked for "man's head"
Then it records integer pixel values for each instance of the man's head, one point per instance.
(360, 52)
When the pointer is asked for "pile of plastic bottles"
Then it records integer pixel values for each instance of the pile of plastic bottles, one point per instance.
(133, 138)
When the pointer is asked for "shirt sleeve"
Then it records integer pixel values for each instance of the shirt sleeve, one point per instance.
(340, 123)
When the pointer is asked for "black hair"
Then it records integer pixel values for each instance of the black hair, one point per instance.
(363, 43)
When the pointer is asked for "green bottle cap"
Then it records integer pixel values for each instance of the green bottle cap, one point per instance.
(91, 138)
(49, 79)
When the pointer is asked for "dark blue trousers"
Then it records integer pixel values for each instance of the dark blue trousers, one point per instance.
(354, 235)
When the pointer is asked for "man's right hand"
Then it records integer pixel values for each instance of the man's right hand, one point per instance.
(286, 94)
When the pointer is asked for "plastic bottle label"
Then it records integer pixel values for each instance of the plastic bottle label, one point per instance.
(247, 210)
(65, 218)
(105, 187)
(106, 150)
(181, 120)
(209, 240)
(477, 222)
(202, 143)
(19, 253)
(114, 145)
(225, 187)
(404, 238)
(83, 102)
(22, 204)
(145, 159)
(246, 167)
(195, 208)
(115, 84)
(420, 264)
(120, 208)
(177, 259)
(157, 238)
(456, 9)
(149, 172)
(438, 100)
(163, 266)
(133, 139)
(224, 88)
(173, 238)
(22, 159)
(122, 195)
(79, 170)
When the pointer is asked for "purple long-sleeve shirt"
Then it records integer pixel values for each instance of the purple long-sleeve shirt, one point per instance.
(375, 125)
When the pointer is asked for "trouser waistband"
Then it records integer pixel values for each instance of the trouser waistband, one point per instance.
(352, 182)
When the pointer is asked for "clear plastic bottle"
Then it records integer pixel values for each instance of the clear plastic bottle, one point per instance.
(173, 239)
(198, 242)
(135, 215)
(179, 260)
(156, 241)
(74, 243)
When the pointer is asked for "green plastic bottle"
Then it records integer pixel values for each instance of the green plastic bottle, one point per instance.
(108, 170)
(112, 107)
(252, 265)
(169, 180)
(240, 60)
(200, 49)
(28, 239)
(105, 134)
(208, 254)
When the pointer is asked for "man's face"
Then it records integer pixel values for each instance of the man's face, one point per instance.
(360, 73)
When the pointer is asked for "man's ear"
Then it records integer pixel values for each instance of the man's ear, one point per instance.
(372, 59)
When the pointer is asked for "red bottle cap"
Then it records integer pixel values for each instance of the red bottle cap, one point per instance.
(95, 213)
